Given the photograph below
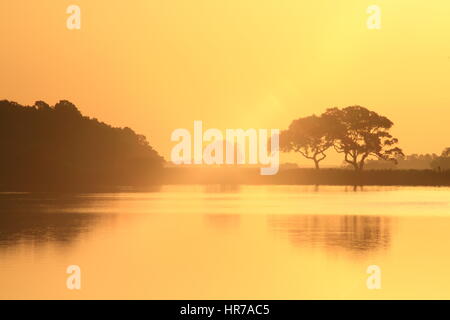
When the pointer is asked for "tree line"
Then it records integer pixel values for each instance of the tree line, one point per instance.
(52, 147)
(414, 162)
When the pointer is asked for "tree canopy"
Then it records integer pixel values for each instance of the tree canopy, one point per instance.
(44, 146)
(354, 131)
(360, 133)
(310, 136)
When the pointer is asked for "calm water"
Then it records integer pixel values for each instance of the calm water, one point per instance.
(258, 242)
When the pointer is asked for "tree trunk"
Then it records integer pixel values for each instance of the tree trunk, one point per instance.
(316, 163)
(361, 166)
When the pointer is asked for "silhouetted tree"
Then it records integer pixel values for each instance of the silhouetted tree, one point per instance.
(67, 108)
(55, 147)
(41, 105)
(308, 136)
(442, 162)
(360, 133)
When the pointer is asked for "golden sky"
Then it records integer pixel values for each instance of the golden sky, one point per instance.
(158, 65)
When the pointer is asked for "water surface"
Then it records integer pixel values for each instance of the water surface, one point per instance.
(227, 242)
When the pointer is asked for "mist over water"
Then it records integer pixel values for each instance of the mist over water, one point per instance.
(227, 242)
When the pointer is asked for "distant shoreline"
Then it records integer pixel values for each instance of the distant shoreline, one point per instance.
(250, 176)
(344, 177)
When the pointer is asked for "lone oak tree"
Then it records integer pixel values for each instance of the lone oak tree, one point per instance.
(360, 133)
(309, 136)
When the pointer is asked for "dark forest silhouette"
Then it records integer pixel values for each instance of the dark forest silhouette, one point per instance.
(47, 148)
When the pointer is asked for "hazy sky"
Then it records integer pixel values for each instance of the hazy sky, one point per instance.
(158, 65)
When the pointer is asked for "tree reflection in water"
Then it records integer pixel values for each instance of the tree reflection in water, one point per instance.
(41, 218)
(357, 234)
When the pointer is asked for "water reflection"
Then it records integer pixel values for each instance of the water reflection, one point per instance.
(265, 242)
(222, 188)
(357, 234)
(224, 222)
(46, 218)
